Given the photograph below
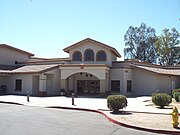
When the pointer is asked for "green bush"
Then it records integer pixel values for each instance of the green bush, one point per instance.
(161, 99)
(116, 102)
(175, 90)
(175, 94)
(154, 93)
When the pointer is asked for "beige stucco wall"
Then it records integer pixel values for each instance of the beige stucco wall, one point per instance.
(167, 83)
(99, 72)
(95, 47)
(35, 84)
(8, 57)
(122, 74)
(47, 82)
(145, 83)
(113, 57)
(52, 84)
(177, 82)
(70, 75)
(164, 83)
(26, 84)
(3, 80)
(102, 86)
(117, 74)
(128, 75)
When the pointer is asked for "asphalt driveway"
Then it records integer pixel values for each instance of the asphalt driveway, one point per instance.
(26, 120)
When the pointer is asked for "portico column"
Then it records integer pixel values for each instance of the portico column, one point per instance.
(107, 82)
(102, 87)
(63, 84)
(42, 85)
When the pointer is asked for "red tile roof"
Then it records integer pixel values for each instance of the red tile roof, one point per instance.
(30, 69)
(159, 70)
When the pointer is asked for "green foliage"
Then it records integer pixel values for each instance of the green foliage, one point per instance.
(175, 90)
(168, 49)
(161, 99)
(116, 102)
(140, 43)
(176, 94)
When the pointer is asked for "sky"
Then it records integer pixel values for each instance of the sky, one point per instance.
(46, 27)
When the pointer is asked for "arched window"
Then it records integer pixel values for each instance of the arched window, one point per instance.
(77, 56)
(101, 56)
(89, 55)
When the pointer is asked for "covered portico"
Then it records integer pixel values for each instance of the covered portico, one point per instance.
(89, 79)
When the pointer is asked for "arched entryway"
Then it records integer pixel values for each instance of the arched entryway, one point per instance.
(83, 83)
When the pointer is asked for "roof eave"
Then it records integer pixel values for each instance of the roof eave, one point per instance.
(153, 71)
(16, 49)
(67, 49)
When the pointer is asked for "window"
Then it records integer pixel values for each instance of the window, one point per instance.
(115, 85)
(129, 86)
(18, 85)
(101, 56)
(77, 56)
(89, 55)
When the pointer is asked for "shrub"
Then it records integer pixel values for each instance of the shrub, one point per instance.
(116, 102)
(161, 99)
(176, 96)
(175, 90)
(154, 93)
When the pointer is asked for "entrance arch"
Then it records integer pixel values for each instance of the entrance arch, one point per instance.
(83, 83)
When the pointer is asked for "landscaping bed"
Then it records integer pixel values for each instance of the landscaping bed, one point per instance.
(174, 103)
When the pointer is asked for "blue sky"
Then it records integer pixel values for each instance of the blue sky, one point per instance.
(45, 27)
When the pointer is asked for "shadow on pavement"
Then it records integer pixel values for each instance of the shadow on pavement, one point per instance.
(121, 113)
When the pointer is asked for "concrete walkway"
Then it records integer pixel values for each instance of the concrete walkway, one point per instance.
(138, 114)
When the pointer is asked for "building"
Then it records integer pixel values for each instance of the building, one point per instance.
(91, 69)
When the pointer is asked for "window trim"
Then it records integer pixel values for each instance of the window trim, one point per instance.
(97, 58)
(74, 53)
(85, 55)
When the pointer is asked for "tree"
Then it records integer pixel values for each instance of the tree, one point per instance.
(168, 49)
(140, 43)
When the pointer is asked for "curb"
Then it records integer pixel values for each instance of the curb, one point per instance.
(120, 123)
(110, 119)
(4, 102)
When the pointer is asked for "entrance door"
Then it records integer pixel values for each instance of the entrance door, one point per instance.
(90, 87)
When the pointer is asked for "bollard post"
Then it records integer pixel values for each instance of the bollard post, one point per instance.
(28, 96)
(72, 98)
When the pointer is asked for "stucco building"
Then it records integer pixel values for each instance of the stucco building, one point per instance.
(91, 69)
